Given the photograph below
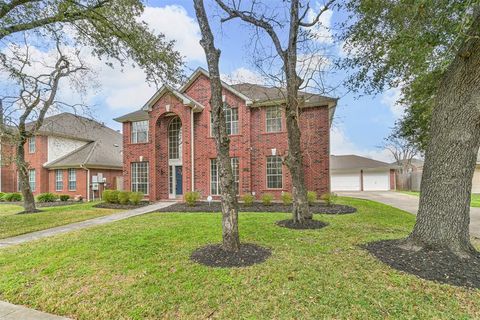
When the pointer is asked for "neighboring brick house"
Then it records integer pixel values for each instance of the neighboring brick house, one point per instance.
(65, 156)
(169, 148)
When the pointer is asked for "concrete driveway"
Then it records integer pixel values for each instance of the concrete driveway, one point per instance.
(408, 203)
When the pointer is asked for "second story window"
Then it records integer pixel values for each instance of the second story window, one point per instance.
(31, 145)
(139, 131)
(274, 119)
(231, 120)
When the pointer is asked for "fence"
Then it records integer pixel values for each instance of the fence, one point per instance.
(409, 181)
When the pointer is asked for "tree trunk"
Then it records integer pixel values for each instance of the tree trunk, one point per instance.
(444, 213)
(231, 240)
(294, 161)
(22, 165)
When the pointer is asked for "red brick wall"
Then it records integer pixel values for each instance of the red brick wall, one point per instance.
(251, 145)
(81, 189)
(8, 171)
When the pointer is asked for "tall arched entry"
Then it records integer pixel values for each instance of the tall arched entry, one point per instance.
(175, 164)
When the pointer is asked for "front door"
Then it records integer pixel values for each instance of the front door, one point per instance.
(178, 180)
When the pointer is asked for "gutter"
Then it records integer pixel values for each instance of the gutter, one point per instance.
(192, 151)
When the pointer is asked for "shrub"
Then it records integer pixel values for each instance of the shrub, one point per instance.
(1, 196)
(64, 197)
(248, 199)
(267, 199)
(136, 197)
(46, 197)
(123, 197)
(110, 196)
(311, 197)
(329, 198)
(12, 197)
(287, 198)
(191, 198)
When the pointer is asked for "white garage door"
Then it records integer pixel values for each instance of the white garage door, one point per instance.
(376, 181)
(345, 181)
(476, 181)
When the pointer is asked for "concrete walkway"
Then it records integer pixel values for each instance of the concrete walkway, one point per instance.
(10, 311)
(408, 203)
(82, 224)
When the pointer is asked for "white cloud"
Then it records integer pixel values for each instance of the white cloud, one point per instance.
(390, 98)
(176, 24)
(340, 144)
(322, 30)
(241, 75)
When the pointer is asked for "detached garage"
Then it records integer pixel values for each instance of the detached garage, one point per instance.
(355, 173)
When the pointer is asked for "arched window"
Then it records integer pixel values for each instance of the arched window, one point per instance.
(175, 139)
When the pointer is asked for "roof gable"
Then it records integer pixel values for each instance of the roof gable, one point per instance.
(186, 100)
(200, 71)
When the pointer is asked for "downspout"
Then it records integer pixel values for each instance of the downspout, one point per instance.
(192, 146)
(88, 181)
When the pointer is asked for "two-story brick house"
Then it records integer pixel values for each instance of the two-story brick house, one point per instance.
(169, 148)
(64, 157)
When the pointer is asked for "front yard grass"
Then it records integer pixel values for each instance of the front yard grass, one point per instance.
(474, 202)
(139, 268)
(12, 224)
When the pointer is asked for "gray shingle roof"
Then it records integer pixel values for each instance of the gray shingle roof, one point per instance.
(260, 94)
(352, 161)
(103, 148)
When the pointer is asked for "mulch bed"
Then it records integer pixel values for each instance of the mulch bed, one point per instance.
(203, 206)
(441, 266)
(45, 204)
(105, 205)
(214, 256)
(308, 224)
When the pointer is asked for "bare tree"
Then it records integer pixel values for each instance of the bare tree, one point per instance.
(402, 150)
(231, 241)
(288, 53)
(36, 95)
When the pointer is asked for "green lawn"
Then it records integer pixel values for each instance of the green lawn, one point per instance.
(139, 268)
(12, 224)
(475, 201)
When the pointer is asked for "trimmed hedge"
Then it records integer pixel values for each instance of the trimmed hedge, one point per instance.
(267, 199)
(191, 198)
(248, 199)
(136, 197)
(12, 197)
(123, 197)
(110, 196)
(47, 197)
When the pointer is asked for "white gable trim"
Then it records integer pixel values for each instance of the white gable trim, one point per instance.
(201, 71)
(187, 101)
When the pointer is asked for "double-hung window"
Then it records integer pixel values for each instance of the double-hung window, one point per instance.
(231, 120)
(31, 145)
(72, 179)
(58, 180)
(140, 177)
(31, 179)
(215, 175)
(139, 131)
(274, 119)
(274, 172)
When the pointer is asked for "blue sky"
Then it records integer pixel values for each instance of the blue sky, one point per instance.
(360, 124)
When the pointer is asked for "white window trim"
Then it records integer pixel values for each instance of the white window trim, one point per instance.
(226, 122)
(32, 181)
(71, 180)
(267, 119)
(58, 181)
(135, 132)
(218, 176)
(136, 182)
(32, 146)
(267, 175)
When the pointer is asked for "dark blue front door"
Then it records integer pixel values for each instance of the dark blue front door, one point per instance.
(178, 180)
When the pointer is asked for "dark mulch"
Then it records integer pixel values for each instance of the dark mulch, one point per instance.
(438, 265)
(105, 205)
(214, 256)
(308, 224)
(46, 204)
(203, 206)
